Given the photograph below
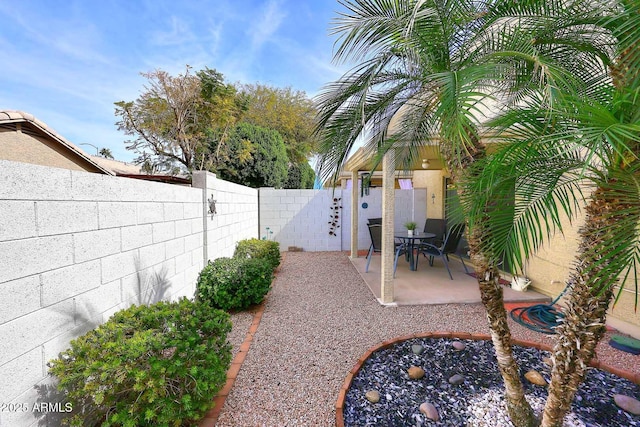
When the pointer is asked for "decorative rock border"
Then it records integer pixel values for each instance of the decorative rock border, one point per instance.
(635, 378)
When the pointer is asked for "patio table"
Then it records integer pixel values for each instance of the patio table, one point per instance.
(410, 241)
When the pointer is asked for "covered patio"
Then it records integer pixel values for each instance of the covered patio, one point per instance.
(432, 285)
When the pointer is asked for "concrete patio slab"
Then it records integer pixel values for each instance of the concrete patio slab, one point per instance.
(432, 285)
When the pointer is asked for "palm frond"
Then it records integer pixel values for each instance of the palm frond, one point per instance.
(521, 194)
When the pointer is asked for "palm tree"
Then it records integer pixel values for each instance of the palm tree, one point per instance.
(429, 69)
(106, 153)
(587, 140)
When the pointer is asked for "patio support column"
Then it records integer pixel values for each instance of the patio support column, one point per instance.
(388, 246)
(354, 214)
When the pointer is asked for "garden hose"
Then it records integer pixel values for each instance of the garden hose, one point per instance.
(540, 317)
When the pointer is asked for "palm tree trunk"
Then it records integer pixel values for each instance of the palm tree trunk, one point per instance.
(488, 277)
(585, 313)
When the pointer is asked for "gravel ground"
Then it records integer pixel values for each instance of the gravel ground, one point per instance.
(240, 321)
(319, 318)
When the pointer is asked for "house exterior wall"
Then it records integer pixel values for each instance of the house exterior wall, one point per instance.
(76, 247)
(18, 146)
(549, 270)
(433, 182)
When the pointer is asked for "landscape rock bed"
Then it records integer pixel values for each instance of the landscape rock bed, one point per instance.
(319, 319)
(478, 401)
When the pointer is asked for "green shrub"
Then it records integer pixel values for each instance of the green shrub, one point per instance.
(234, 283)
(255, 248)
(157, 365)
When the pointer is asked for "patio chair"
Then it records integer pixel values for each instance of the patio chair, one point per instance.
(374, 221)
(437, 227)
(448, 247)
(375, 231)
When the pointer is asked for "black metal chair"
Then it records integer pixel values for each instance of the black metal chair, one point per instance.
(437, 227)
(375, 231)
(374, 221)
(448, 247)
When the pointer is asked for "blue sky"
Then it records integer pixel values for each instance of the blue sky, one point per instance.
(67, 62)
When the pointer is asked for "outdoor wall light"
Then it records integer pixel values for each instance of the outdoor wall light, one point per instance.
(365, 184)
(425, 163)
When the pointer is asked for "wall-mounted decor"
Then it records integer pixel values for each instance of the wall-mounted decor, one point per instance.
(335, 216)
(212, 206)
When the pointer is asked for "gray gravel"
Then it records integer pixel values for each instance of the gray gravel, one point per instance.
(319, 318)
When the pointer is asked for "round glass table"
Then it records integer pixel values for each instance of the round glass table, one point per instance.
(412, 243)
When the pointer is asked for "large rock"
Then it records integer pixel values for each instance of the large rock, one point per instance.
(457, 379)
(430, 411)
(417, 349)
(627, 403)
(534, 377)
(415, 372)
(459, 345)
(372, 396)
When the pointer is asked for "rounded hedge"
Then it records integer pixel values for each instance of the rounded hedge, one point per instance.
(234, 283)
(255, 248)
(157, 365)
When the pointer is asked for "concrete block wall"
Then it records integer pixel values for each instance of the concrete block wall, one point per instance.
(76, 247)
(300, 218)
(236, 216)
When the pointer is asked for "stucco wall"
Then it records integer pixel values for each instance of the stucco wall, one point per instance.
(76, 247)
(549, 270)
(433, 182)
(23, 147)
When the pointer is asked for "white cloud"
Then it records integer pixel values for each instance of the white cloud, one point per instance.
(266, 24)
(72, 37)
(178, 34)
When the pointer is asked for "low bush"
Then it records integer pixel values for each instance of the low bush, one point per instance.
(157, 365)
(234, 283)
(255, 248)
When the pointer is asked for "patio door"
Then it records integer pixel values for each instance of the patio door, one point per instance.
(453, 214)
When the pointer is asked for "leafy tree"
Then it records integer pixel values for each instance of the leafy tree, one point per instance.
(300, 175)
(256, 157)
(289, 112)
(434, 67)
(177, 118)
(293, 115)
